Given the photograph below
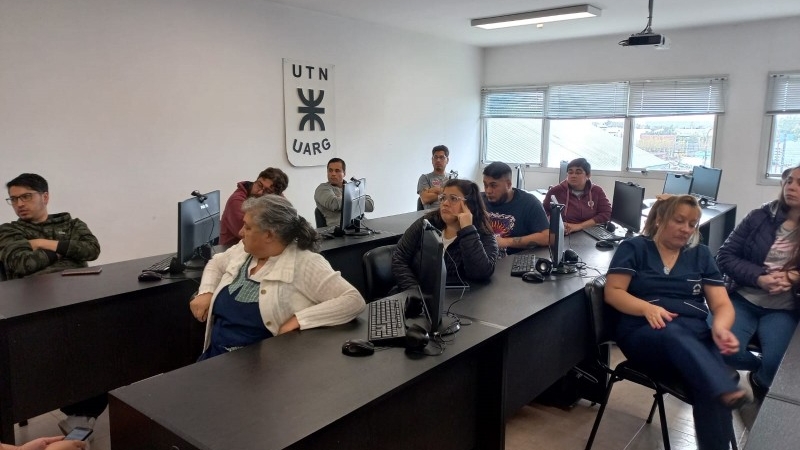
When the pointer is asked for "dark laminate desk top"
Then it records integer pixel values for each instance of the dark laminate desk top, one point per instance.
(521, 299)
(277, 392)
(709, 212)
(41, 293)
(386, 227)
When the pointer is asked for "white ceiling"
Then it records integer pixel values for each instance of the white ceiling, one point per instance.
(450, 19)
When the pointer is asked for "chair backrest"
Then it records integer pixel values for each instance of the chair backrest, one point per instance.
(420, 206)
(378, 271)
(320, 218)
(602, 317)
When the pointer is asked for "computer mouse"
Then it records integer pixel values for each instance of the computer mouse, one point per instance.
(358, 347)
(150, 276)
(533, 277)
(610, 227)
(604, 244)
(570, 256)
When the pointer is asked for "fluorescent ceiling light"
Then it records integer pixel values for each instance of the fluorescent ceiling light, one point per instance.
(535, 17)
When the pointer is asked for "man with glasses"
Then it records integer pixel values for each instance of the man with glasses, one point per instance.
(518, 218)
(328, 195)
(430, 185)
(41, 243)
(269, 181)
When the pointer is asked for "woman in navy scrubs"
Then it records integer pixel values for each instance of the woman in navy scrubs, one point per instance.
(664, 284)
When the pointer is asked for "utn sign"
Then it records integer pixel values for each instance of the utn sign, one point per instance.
(308, 98)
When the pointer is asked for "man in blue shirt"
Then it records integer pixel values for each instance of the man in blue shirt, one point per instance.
(518, 218)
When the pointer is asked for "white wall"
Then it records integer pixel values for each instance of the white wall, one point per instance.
(746, 52)
(127, 106)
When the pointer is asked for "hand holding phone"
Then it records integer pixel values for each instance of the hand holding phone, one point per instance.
(79, 434)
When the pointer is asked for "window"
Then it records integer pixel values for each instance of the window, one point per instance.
(635, 125)
(783, 113)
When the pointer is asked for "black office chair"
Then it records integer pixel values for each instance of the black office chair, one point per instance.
(378, 274)
(602, 320)
(320, 218)
(420, 206)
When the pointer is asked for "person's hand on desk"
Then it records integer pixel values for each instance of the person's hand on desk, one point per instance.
(290, 325)
(199, 306)
(49, 443)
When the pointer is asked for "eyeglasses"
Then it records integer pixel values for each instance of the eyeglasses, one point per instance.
(450, 198)
(24, 198)
(442, 157)
(260, 186)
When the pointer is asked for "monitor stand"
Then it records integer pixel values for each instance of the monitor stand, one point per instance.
(355, 229)
(449, 325)
(196, 263)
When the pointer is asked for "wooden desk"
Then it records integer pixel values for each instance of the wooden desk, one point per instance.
(298, 391)
(546, 324)
(65, 339)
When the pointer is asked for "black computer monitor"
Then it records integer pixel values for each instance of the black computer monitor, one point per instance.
(677, 183)
(556, 240)
(626, 207)
(354, 204)
(562, 171)
(198, 229)
(432, 277)
(705, 183)
(520, 184)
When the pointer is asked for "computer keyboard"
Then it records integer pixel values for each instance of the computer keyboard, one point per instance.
(387, 322)
(600, 233)
(523, 263)
(160, 266)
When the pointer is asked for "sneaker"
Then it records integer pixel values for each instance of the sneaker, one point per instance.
(71, 422)
(759, 391)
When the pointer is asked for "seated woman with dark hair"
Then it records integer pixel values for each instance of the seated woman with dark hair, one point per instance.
(271, 282)
(470, 247)
(664, 284)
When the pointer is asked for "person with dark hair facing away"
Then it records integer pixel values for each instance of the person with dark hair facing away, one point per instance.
(431, 185)
(663, 285)
(517, 217)
(39, 243)
(269, 181)
(585, 204)
(470, 247)
(272, 282)
(762, 257)
(328, 195)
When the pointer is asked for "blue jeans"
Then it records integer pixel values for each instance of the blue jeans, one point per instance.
(774, 328)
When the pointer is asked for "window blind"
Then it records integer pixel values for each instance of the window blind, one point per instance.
(518, 103)
(587, 101)
(677, 97)
(783, 93)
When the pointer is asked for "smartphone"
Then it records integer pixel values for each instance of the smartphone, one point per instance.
(79, 434)
(83, 271)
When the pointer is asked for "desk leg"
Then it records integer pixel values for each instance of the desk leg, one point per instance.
(6, 397)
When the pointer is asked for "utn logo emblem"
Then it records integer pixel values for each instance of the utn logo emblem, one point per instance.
(309, 107)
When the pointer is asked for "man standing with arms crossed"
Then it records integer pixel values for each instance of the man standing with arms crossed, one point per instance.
(430, 185)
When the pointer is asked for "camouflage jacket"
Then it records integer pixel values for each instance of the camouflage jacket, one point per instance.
(76, 245)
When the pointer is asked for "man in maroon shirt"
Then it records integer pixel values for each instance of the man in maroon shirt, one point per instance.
(269, 181)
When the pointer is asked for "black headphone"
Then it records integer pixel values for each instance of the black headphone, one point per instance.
(543, 265)
(416, 338)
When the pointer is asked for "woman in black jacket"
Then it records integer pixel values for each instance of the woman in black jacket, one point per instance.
(761, 257)
(470, 247)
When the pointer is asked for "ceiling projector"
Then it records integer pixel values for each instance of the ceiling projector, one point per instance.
(644, 39)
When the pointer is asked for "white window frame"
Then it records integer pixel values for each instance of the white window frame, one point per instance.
(782, 97)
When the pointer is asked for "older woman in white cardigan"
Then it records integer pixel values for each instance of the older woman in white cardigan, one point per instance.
(271, 282)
